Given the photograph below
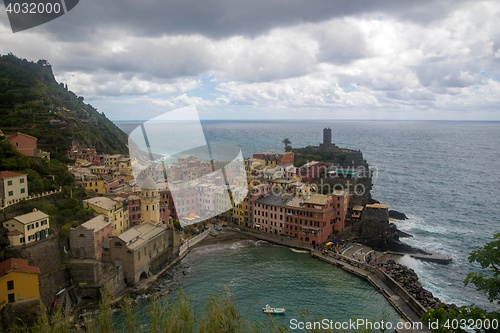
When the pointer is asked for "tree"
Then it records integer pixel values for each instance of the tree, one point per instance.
(489, 258)
(450, 318)
(288, 144)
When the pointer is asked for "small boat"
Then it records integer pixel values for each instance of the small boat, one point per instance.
(213, 233)
(272, 310)
(298, 251)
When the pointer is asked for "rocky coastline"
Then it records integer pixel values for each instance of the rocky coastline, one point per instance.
(408, 279)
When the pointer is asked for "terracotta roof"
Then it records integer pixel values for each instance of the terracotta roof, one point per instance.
(19, 133)
(17, 265)
(10, 174)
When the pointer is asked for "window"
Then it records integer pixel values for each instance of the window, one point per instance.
(11, 193)
(12, 298)
(10, 285)
(22, 240)
(9, 183)
(21, 181)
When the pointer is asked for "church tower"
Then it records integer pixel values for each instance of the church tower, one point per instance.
(150, 202)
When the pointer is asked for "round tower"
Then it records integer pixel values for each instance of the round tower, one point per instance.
(150, 201)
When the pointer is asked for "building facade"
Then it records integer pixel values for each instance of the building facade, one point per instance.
(88, 239)
(135, 249)
(13, 187)
(114, 209)
(313, 218)
(18, 281)
(269, 213)
(27, 228)
(23, 143)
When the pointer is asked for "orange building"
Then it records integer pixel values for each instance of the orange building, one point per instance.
(273, 159)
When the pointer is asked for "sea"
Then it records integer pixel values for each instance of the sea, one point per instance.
(444, 175)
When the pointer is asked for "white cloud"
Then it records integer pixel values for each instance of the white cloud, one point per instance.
(410, 57)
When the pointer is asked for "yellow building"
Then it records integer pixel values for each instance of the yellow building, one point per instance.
(113, 209)
(239, 213)
(96, 185)
(27, 228)
(18, 281)
(150, 202)
(112, 160)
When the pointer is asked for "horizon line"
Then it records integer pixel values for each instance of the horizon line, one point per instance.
(323, 119)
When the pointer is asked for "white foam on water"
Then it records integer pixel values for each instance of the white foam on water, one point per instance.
(410, 262)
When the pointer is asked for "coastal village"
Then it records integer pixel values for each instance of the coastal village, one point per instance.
(138, 230)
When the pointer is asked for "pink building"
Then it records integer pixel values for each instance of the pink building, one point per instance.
(23, 143)
(167, 208)
(134, 209)
(269, 213)
(311, 171)
(88, 154)
(86, 241)
(257, 192)
(312, 219)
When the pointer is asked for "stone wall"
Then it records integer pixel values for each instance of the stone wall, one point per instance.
(95, 273)
(375, 221)
(82, 247)
(46, 255)
(158, 263)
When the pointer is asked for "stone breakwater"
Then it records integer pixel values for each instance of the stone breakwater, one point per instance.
(408, 280)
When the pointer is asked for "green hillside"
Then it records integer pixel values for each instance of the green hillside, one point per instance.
(30, 98)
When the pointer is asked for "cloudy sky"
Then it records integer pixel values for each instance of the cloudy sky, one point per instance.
(284, 59)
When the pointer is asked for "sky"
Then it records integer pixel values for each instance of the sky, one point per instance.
(275, 59)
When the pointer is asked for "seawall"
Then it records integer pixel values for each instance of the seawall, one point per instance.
(405, 304)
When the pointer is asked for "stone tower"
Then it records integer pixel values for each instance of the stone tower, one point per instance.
(327, 137)
(150, 201)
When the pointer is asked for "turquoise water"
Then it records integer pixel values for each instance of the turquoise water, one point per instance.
(258, 273)
(442, 174)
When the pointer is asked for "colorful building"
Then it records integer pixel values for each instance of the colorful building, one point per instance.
(269, 213)
(150, 201)
(313, 218)
(23, 143)
(273, 159)
(13, 187)
(255, 193)
(18, 281)
(27, 228)
(134, 209)
(96, 185)
(114, 209)
(87, 240)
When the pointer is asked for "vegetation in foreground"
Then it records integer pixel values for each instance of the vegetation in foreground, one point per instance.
(220, 316)
(472, 318)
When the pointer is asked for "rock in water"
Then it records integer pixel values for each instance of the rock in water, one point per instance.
(397, 215)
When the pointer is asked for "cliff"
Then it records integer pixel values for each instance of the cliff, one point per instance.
(34, 103)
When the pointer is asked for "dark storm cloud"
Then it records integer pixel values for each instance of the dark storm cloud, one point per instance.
(223, 18)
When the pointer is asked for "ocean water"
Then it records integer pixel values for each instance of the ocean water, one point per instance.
(442, 174)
